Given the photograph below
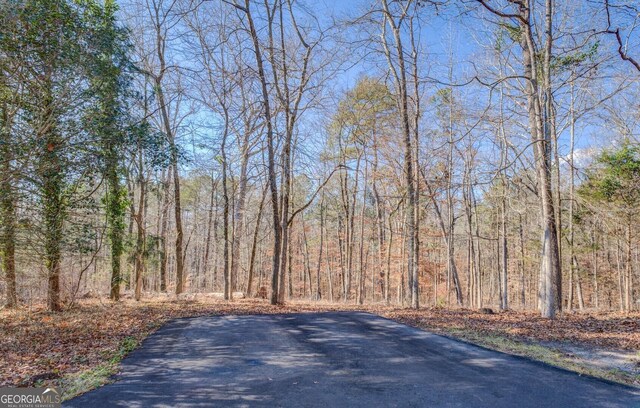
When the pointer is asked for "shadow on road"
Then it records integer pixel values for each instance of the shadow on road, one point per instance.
(334, 360)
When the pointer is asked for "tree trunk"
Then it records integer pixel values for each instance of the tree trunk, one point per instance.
(254, 243)
(620, 276)
(351, 226)
(361, 276)
(329, 274)
(115, 219)
(504, 278)
(380, 223)
(387, 275)
(594, 244)
(141, 234)
(52, 175)
(180, 275)
(472, 281)
(400, 76)
(238, 214)
(228, 292)
(207, 245)
(550, 299)
(307, 262)
(166, 121)
(7, 209)
(271, 160)
(523, 300)
(504, 294)
(628, 295)
(163, 230)
(318, 294)
(478, 249)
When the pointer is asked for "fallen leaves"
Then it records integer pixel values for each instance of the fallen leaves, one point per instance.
(605, 330)
(41, 347)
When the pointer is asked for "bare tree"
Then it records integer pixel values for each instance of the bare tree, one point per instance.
(399, 70)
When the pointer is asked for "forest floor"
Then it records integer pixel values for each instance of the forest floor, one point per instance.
(80, 348)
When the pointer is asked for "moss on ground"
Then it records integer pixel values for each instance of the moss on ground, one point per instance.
(74, 384)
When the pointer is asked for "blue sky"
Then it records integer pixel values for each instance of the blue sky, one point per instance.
(447, 38)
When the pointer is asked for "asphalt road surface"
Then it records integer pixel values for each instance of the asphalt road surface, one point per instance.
(335, 360)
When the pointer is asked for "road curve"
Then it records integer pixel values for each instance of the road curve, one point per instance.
(343, 359)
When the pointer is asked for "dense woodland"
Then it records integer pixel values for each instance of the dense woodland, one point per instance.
(479, 153)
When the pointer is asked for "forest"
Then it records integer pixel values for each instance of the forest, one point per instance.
(417, 153)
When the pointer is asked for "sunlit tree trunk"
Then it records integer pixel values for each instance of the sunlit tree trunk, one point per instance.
(550, 299)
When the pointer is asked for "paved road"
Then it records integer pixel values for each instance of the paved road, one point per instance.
(335, 360)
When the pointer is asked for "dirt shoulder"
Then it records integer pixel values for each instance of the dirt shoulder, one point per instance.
(80, 348)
